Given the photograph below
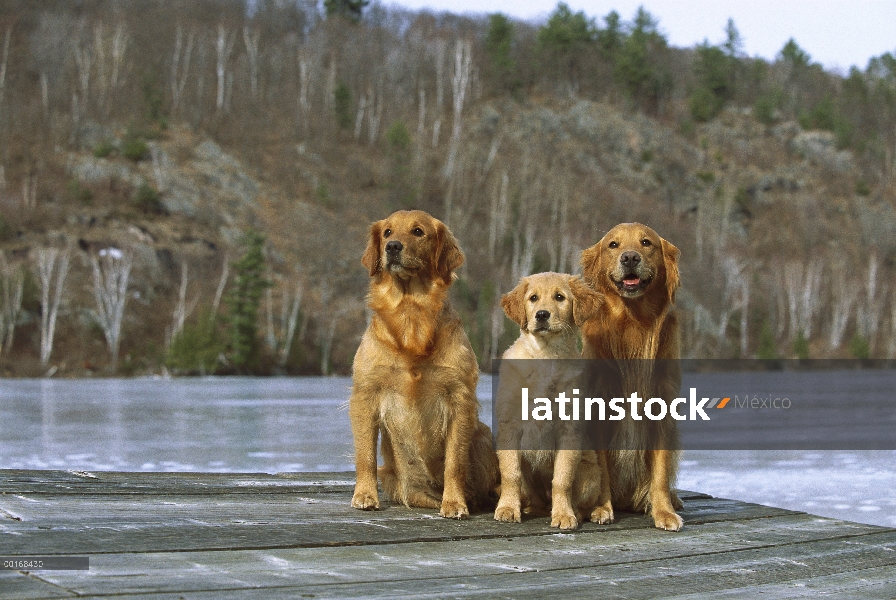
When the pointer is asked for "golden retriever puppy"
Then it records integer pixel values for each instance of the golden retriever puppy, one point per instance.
(548, 307)
(637, 271)
(414, 377)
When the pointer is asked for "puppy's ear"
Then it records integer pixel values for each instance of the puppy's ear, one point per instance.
(448, 254)
(588, 259)
(514, 304)
(670, 261)
(371, 258)
(585, 301)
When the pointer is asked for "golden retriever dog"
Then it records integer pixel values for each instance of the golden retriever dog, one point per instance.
(548, 307)
(637, 271)
(414, 377)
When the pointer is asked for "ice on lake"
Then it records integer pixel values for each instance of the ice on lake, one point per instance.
(275, 425)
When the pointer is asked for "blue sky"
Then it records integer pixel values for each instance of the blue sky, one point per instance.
(836, 33)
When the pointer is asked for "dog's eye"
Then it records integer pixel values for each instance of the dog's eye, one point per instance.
(645, 242)
(559, 297)
(533, 298)
(614, 245)
(387, 233)
(417, 231)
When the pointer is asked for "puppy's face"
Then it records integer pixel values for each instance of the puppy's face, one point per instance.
(632, 260)
(550, 303)
(412, 243)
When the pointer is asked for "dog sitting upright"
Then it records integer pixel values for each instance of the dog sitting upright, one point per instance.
(414, 377)
(553, 469)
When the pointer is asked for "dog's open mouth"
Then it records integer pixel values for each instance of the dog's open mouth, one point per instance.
(630, 282)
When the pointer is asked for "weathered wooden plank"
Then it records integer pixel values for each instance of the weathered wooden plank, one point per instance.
(115, 483)
(422, 561)
(781, 568)
(139, 524)
(14, 585)
(879, 582)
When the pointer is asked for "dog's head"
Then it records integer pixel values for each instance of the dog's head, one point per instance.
(412, 243)
(632, 260)
(549, 303)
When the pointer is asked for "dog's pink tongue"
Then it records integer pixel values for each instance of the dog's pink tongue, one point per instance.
(631, 280)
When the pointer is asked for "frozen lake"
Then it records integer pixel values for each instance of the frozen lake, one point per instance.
(276, 425)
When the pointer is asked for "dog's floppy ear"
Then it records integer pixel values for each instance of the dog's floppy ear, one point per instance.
(514, 304)
(588, 260)
(670, 261)
(371, 258)
(448, 254)
(585, 301)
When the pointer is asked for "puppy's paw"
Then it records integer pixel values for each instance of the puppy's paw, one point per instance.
(667, 520)
(508, 514)
(602, 515)
(564, 520)
(452, 509)
(365, 500)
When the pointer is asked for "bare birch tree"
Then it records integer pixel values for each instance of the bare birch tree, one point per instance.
(463, 62)
(111, 270)
(802, 283)
(13, 284)
(280, 340)
(223, 48)
(872, 306)
(843, 299)
(3, 62)
(181, 309)
(250, 39)
(50, 260)
(498, 220)
(180, 66)
(440, 51)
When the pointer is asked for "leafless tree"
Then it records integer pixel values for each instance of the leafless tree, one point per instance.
(463, 62)
(48, 261)
(280, 341)
(801, 283)
(441, 48)
(219, 292)
(111, 270)
(13, 283)
(498, 220)
(250, 39)
(843, 299)
(223, 48)
(3, 62)
(180, 66)
(872, 305)
(181, 309)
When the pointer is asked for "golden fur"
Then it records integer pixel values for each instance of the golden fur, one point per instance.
(574, 482)
(637, 271)
(414, 377)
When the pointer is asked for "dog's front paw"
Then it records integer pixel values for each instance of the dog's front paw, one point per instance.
(667, 520)
(564, 520)
(602, 515)
(365, 500)
(508, 514)
(453, 509)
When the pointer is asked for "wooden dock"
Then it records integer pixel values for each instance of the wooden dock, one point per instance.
(160, 535)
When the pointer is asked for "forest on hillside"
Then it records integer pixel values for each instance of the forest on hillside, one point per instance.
(187, 185)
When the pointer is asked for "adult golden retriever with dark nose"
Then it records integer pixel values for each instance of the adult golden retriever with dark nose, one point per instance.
(637, 327)
(414, 377)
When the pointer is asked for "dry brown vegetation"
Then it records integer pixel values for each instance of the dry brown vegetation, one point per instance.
(167, 130)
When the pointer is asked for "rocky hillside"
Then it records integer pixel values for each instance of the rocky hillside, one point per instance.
(166, 138)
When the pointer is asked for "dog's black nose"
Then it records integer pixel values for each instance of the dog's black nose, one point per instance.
(542, 315)
(630, 258)
(394, 247)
